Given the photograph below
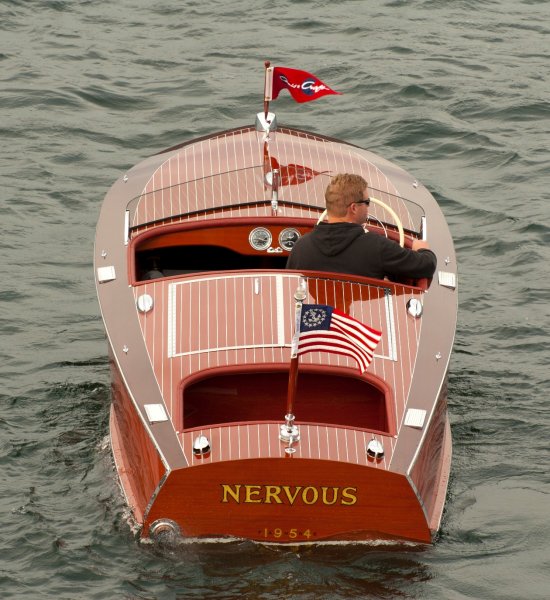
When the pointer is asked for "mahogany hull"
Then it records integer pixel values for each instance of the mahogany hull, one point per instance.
(280, 500)
(290, 500)
(202, 348)
(137, 461)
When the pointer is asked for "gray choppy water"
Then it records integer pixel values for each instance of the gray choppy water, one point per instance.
(455, 91)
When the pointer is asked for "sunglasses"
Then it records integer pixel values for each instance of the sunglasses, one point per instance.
(367, 201)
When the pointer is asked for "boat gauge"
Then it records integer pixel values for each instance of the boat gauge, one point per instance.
(260, 238)
(288, 237)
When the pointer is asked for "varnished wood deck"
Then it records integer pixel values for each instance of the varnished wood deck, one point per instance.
(226, 320)
(229, 171)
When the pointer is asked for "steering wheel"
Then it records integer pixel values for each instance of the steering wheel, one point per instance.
(386, 208)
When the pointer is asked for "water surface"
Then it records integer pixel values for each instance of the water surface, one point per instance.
(456, 92)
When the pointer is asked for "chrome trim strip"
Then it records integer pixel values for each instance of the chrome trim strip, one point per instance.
(390, 323)
(280, 305)
(126, 227)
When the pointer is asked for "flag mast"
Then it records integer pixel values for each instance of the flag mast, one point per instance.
(268, 84)
(289, 432)
(265, 121)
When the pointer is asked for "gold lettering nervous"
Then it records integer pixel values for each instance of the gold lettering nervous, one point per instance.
(291, 495)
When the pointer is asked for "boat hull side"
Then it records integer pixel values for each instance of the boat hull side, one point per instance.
(430, 472)
(290, 500)
(137, 461)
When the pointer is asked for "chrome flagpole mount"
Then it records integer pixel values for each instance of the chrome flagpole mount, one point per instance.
(289, 433)
(266, 124)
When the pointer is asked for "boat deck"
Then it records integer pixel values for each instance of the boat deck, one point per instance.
(226, 174)
(254, 335)
(261, 440)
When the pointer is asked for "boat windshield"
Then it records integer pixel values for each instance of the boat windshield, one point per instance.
(249, 193)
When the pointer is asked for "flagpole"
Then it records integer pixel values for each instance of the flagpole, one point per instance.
(267, 64)
(292, 384)
(290, 432)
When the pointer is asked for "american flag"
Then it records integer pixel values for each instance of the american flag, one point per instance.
(327, 329)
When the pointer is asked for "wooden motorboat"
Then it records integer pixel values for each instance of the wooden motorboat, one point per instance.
(199, 311)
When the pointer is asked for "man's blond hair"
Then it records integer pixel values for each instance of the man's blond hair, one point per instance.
(343, 190)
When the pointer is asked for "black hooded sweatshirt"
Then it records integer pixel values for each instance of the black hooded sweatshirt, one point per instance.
(347, 248)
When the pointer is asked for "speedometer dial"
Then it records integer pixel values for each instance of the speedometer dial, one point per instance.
(260, 238)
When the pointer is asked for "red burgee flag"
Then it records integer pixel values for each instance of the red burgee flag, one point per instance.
(327, 329)
(302, 86)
